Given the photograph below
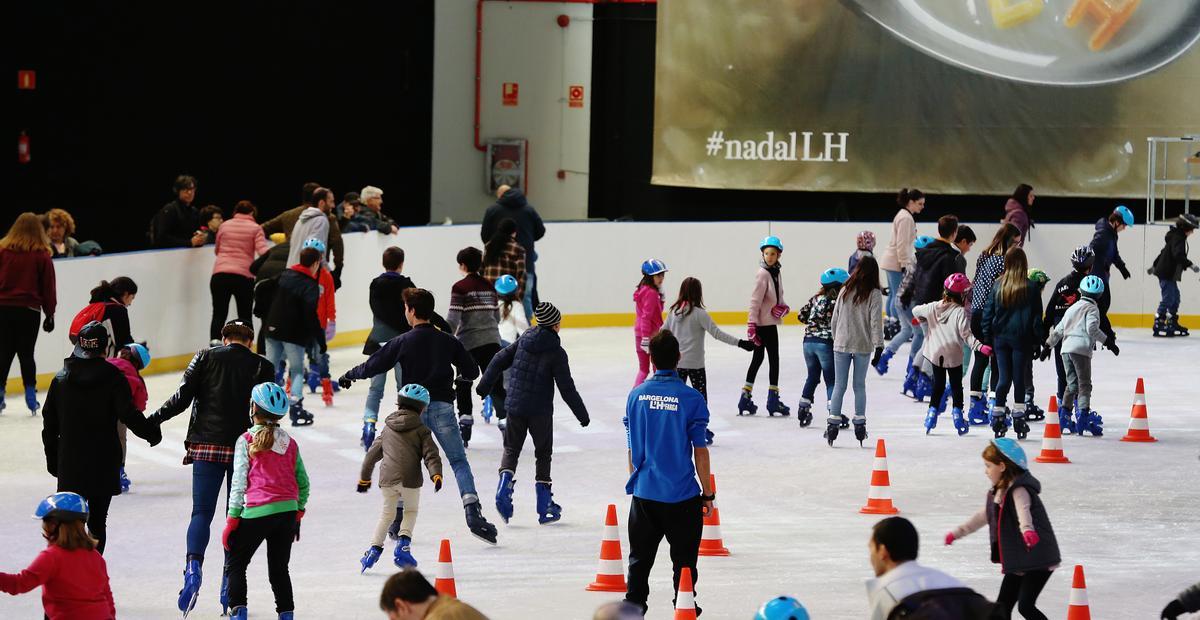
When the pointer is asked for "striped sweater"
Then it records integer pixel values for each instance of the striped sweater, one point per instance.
(474, 312)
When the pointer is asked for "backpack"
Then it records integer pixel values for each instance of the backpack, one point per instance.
(90, 312)
(947, 604)
(264, 294)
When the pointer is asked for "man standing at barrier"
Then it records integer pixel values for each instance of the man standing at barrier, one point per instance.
(511, 204)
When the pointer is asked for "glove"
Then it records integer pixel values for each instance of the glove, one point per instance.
(1031, 539)
(345, 382)
(465, 422)
(48, 324)
(644, 345)
(437, 482)
(986, 350)
(585, 421)
(950, 538)
(752, 334)
(368, 435)
(1111, 345)
(330, 330)
(745, 345)
(916, 321)
(1043, 352)
(1124, 271)
(337, 278)
(1173, 610)
(231, 524)
(878, 354)
(363, 485)
(780, 311)
(299, 516)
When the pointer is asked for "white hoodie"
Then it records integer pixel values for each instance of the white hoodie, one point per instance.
(886, 591)
(946, 330)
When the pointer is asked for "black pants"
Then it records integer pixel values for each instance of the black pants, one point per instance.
(18, 335)
(698, 377)
(769, 335)
(939, 384)
(680, 523)
(1022, 591)
(278, 530)
(1062, 372)
(97, 522)
(465, 395)
(541, 428)
(223, 286)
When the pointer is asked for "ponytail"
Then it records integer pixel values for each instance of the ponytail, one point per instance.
(113, 290)
(264, 438)
(908, 195)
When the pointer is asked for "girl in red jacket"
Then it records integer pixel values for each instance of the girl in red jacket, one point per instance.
(649, 300)
(72, 574)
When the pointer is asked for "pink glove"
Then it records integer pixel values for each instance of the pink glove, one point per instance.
(950, 538)
(780, 311)
(231, 524)
(1031, 539)
(986, 350)
(752, 334)
(916, 321)
(330, 330)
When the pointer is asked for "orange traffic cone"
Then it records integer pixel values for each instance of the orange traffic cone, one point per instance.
(879, 496)
(1078, 607)
(1052, 445)
(444, 583)
(685, 599)
(710, 541)
(1139, 422)
(611, 575)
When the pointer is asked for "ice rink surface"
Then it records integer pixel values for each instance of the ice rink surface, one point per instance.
(1128, 512)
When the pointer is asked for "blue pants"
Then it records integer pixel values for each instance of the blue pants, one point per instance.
(375, 394)
(893, 281)
(276, 351)
(206, 486)
(1011, 358)
(1170, 297)
(439, 417)
(527, 301)
(818, 356)
(907, 330)
(841, 366)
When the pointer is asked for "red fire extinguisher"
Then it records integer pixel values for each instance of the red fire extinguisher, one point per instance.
(23, 148)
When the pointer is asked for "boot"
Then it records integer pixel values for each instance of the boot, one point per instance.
(882, 366)
(31, 400)
(844, 421)
(224, 594)
(327, 391)
(977, 414)
(370, 558)
(192, 578)
(299, 416)
(238, 613)
(1173, 326)
(1018, 421)
(394, 528)
(775, 405)
(910, 381)
(548, 511)
(479, 526)
(746, 404)
(368, 435)
(1065, 423)
(287, 615)
(1088, 421)
(999, 421)
(960, 424)
(1160, 326)
(1033, 413)
(931, 417)
(924, 386)
(804, 412)
(860, 429)
(403, 555)
(891, 327)
(504, 493)
(833, 423)
(125, 481)
(313, 379)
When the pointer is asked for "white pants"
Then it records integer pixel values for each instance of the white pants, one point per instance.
(412, 500)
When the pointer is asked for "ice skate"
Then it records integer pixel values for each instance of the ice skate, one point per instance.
(1160, 329)
(192, 578)
(299, 416)
(924, 386)
(402, 557)
(775, 405)
(327, 391)
(548, 511)
(746, 404)
(479, 526)
(238, 613)
(31, 400)
(1033, 413)
(1173, 326)
(394, 528)
(1088, 421)
(831, 429)
(882, 366)
(279, 372)
(999, 422)
(313, 379)
(960, 424)
(125, 482)
(804, 412)
(1020, 426)
(370, 558)
(287, 615)
(486, 410)
(944, 401)
(368, 435)
(1065, 423)
(860, 430)
(931, 417)
(223, 597)
(910, 381)
(504, 494)
(844, 421)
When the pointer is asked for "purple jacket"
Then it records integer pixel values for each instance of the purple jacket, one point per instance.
(1015, 214)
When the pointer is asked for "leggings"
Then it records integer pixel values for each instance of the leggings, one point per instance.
(1021, 591)
(223, 286)
(278, 530)
(18, 335)
(643, 362)
(698, 377)
(982, 362)
(939, 385)
(769, 336)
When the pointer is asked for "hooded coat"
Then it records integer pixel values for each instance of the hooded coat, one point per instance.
(1016, 214)
(947, 328)
(401, 446)
(1104, 246)
(513, 205)
(1173, 258)
(538, 362)
(285, 223)
(312, 223)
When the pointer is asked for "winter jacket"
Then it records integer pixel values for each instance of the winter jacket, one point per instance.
(271, 482)
(427, 357)
(311, 224)
(689, 325)
(474, 312)
(648, 311)
(1021, 324)
(857, 327)
(1190, 599)
(513, 205)
(217, 385)
(1079, 330)
(285, 223)
(767, 293)
(137, 385)
(1104, 246)
(293, 317)
(1173, 258)
(367, 219)
(449, 608)
(898, 254)
(239, 241)
(538, 362)
(1016, 214)
(1018, 509)
(816, 315)
(514, 323)
(174, 225)
(935, 263)
(510, 262)
(70, 249)
(327, 302)
(115, 318)
(27, 281)
(946, 330)
(85, 401)
(402, 445)
(387, 310)
(887, 590)
(74, 584)
(266, 270)
(988, 268)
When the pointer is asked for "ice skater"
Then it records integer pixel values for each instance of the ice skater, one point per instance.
(1168, 267)
(948, 331)
(988, 268)
(1076, 336)
(294, 325)
(648, 301)
(818, 340)
(903, 311)
(131, 360)
(898, 255)
(1012, 319)
(864, 245)
(474, 317)
(1033, 412)
(857, 328)
(767, 309)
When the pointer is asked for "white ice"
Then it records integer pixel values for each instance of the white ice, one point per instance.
(1128, 512)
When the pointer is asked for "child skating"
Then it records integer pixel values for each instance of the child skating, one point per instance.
(947, 331)
(988, 268)
(857, 327)
(1076, 336)
(648, 301)
(1022, 539)
(767, 309)
(1012, 319)
(475, 318)
(1032, 411)
(401, 446)
(818, 340)
(1168, 268)
(131, 360)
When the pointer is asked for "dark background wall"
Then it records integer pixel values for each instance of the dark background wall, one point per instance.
(254, 99)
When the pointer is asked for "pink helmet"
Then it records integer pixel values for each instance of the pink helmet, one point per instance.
(957, 283)
(866, 241)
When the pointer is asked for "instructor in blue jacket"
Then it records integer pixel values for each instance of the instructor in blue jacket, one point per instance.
(665, 424)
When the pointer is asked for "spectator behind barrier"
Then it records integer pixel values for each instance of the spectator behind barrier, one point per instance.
(370, 215)
(286, 222)
(177, 224)
(210, 220)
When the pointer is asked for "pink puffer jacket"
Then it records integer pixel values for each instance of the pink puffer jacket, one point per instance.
(649, 302)
(239, 241)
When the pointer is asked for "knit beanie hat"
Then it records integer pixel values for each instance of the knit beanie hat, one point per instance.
(546, 314)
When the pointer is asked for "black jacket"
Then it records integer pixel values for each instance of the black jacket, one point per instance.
(538, 362)
(79, 426)
(1021, 324)
(293, 317)
(1173, 259)
(427, 356)
(512, 205)
(266, 270)
(935, 263)
(387, 311)
(217, 385)
(957, 603)
(1104, 246)
(367, 219)
(174, 225)
(1066, 293)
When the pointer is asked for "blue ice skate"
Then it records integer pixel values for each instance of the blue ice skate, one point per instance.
(504, 494)
(775, 405)
(313, 379)
(548, 511)
(1065, 422)
(31, 400)
(403, 555)
(239, 613)
(125, 481)
(960, 424)
(370, 558)
(1088, 421)
(191, 586)
(924, 386)
(746, 404)
(931, 417)
(368, 435)
(882, 366)
(978, 412)
(910, 381)
(486, 410)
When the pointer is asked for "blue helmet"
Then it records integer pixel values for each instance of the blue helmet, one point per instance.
(834, 275)
(415, 392)
(506, 284)
(64, 506)
(315, 244)
(922, 241)
(142, 353)
(782, 608)
(770, 242)
(1012, 450)
(653, 267)
(1125, 213)
(270, 399)
(1092, 285)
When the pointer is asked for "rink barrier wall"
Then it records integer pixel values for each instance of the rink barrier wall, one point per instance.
(588, 269)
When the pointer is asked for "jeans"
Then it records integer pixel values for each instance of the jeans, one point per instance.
(530, 282)
(1011, 358)
(1170, 297)
(276, 351)
(841, 368)
(907, 331)
(681, 523)
(223, 286)
(439, 417)
(206, 486)
(818, 356)
(278, 530)
(893, 282)
(375, 394)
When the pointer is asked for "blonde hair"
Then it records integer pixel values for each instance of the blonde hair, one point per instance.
(264, 438)
(26, 235)
(69, 535)
(1014, 282)
(62, 218)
